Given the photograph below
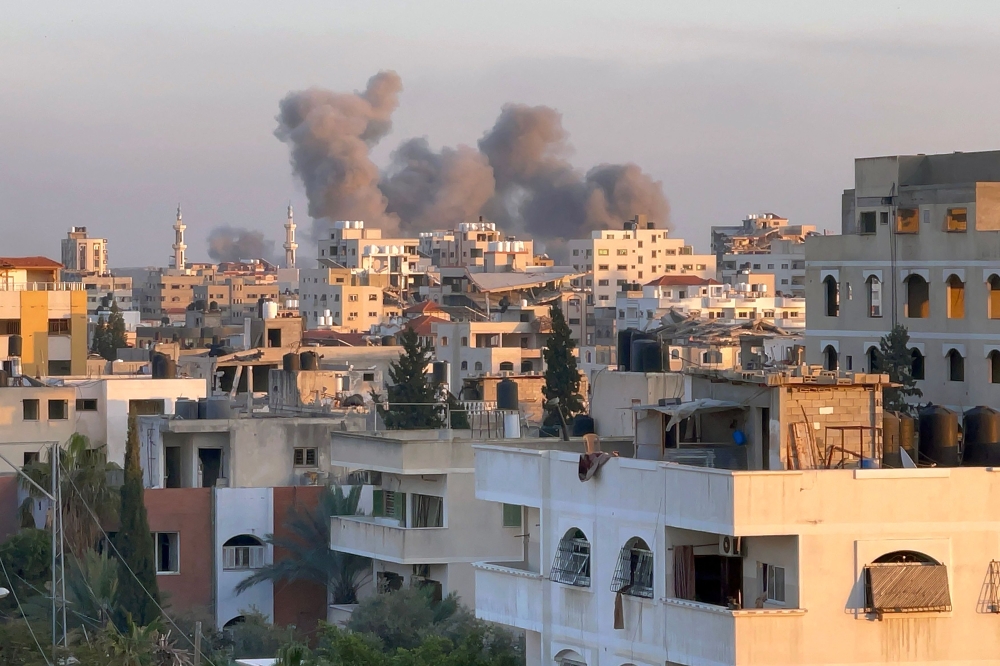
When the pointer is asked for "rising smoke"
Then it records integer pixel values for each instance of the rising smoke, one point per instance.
(233, 244)
(519, 175)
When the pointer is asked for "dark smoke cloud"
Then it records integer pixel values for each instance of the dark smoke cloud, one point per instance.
(520, 176)
(233, 244)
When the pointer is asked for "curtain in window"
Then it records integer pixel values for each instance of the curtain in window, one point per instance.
(684, 572)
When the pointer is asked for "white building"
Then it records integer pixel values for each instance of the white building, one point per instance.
(477, 246)
(763, 243)
(351, 245)
(83, 255)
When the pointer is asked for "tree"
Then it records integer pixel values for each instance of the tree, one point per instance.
(117, 337)
(83, 486)
(27, 557)
(896, 359)
(562, 379)
(138, 594)
(309, 555)
(410, 394)
(100, 340)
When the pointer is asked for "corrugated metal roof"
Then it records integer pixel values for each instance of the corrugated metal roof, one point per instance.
(908, 587)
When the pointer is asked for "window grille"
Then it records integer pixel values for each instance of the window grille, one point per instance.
(572, 562)
(634, 573)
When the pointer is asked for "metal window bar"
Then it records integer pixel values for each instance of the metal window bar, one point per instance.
(572, 563)
(634, 573)
(906, 587)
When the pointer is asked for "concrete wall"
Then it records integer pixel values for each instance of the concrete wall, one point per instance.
(18, 436)
(612, 394)
(187, 511)
(241, 511)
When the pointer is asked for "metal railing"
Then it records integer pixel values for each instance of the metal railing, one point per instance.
(41, 286)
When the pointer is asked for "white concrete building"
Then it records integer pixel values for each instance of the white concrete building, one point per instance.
(351, 245)
(763, 243)
(919, 247)
(243, 517)
(83, 255)
(477, 246)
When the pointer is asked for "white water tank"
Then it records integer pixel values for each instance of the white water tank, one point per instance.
(270, 310)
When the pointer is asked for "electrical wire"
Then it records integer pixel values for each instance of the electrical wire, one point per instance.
(122, 561)
(18, 601)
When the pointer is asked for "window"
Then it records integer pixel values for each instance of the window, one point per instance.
(769, 266)
(772, 581)
(352, 297)
(428, 511)
(993, 302)
(956, 297)
(506, 366)
(10, 327)
(168, 556)
(603, 252)
(621, 267)
(866, 222)
(58, 410)
(465, 365)
(874, 286)
(621, 252)
(756, 267)
(368, 376)
(906, 581)
(465, 341)
(956, 219)
(444, 341)
(389, 504)
(849, 362)
(634, 573)
(373, 297)
(511, 515)
(831, 294)
(907, 221)
(916, 364)
(243, 553)
(373, 314)
(572, 562)
(873, 365)
(479, 366)
(304, 457)
(918, 302)
(956, 366)
(602, 267)
(29, 409)
(86, 405)
(830, 358)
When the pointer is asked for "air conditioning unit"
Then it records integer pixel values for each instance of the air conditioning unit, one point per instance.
(730, 546)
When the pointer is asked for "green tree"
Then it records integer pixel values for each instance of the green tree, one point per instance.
(138, 594)
(92, 588)
(117, 336)
(27, 557)
(83, 483)
(410, 395)
(100, 340)
(562, 379)
(309, 556)
(896, 359)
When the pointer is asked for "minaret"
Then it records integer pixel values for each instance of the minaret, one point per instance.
(179, 246)
(290, 244)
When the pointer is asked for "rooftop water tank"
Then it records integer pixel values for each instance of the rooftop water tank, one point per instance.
(290, 362)
(218, 407)
(981, 437)
(186, 409)
(507, 395)
(309, 360)
(645, 355)
(938, 427)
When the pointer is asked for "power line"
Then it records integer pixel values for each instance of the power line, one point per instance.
(18, 601)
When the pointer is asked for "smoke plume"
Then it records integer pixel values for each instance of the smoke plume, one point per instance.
(232, 244)
(518, 176)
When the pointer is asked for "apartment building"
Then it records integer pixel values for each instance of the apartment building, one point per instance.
(336, 298)
(33, 417)
(46, 316)
(82, 255)
(166, 293)
(763, 243)
(237, 296)
(637, 253)
(478, 246)
(102, 290)
(666, 558)
(350, 245)
(918, 247)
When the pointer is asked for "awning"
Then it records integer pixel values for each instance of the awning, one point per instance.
(679, 412)
(907, 587)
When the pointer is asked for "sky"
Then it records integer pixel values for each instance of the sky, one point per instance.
(112, 114)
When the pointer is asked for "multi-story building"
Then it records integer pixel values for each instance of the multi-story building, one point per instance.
(102, 290)
(47, 316)
(764, 243)
(82, 255)
(477, 246)
(338, 298)
(918, 248)
(236, 296)
(350, 245)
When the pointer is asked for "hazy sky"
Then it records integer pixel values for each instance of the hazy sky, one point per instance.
(111, 115)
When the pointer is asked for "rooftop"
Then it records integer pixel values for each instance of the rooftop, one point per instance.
(681, 281)
(28, 262)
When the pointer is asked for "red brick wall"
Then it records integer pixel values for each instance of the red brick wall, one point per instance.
(187, 511)
(299, 603)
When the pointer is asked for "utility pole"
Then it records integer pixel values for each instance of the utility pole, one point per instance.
(58, 555)
(197, 643)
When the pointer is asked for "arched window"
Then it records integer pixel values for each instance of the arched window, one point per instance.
(905, 581)
(506, 365)
(993, 304)
(916, 364)
(873, 359)
(829, 358)
(874, 289)
(465, 341)
(571, 565)
(526, 366)
(956, 366)
(905, 556)
(239, 619)
(478, 366)
(994, 360)
(634, 573)
(956, 297)
(831, 296)
(465, 365)
(243, 552)
(569, 658)
(918, 300)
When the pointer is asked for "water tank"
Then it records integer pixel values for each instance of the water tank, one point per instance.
(309, 360)
(4, 379)
(290, 362)
(162, 366)
(507, 394)
(439, 373)
(645, 355)
(269, 310)
(202, 408)
(981, 437)
(938, 428)
(583, 424)
(186, 409)
(890, 440)
(218, 407)
(625, 348)
(908, 436)
(14, 345)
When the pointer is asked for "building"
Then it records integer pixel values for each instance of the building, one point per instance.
(763, 243)
(349, 244)
(666, 560)
(33, 416)
(338, 298)
(918, 248)
(478, 246)
(103, 290)
(82, 255)
(48, 316)
(235, 295)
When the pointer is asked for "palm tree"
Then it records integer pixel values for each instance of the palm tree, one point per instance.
(92, 587)
(309, 555)
(83, 482)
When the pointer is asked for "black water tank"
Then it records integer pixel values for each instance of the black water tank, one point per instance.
(157, 361)
(908, 436)
(938, 428)
(290, 362)
(309, 360)
(507, 395)
(4, 379)
(890, 440)
(583, 424)
(645, 355)
(202, 408)
(439, 372)
(14, 346)
(186, 409)
(981, 440)
(625, 349)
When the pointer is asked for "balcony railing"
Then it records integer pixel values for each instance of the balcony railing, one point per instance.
(41, 286)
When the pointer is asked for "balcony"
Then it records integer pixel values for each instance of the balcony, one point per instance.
(40, 286)
(514, 476)
(397, 455)
(377, 539)
(509, 596)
